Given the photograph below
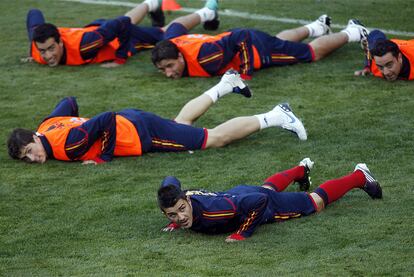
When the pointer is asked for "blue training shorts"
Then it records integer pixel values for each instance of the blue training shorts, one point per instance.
(158, 134)
(277, 52)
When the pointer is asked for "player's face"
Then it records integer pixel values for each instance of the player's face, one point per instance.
(389, 65)
(172, 68)
(181, 213)
(34, 152)
(51, 51)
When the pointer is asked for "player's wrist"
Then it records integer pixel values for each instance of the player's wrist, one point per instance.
(236, 236)
(119, 60)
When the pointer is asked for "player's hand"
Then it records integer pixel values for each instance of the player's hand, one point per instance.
(228, 239)
(363, 72)
(235, 238)
(110, 65)
(89, 162)
(27, 60)
(170, 227)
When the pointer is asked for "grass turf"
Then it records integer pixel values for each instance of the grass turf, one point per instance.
(67, 219)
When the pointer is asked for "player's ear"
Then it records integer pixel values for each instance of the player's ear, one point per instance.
(399, 58)
(189, 200)
(180, 56)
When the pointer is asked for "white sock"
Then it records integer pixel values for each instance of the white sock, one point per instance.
(270, 119)
(206, 14)
(353, 34)
(219, 90)
(315, 29)
(152, 5)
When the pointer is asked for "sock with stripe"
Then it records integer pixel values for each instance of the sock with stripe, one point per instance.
(332, 190)
(281, 180)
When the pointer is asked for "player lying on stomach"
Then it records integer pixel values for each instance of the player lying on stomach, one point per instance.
(243, 208)
(391, 59)
(111, 40)
(246, 50)
(63, 135)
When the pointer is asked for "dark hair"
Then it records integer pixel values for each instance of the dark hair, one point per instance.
(164, 50)
(18, 139)
(45, 31)
(169, 195)
(383, 47)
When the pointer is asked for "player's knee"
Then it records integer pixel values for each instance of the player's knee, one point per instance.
(217, 139)
(318, 201)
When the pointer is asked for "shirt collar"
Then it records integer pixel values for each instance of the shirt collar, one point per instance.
(63, 59)
(196, 211)
(185, 71)
(405, 68)
(46, 146)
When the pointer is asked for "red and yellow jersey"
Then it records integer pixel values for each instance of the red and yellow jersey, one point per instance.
(407, 49)
(71, 38)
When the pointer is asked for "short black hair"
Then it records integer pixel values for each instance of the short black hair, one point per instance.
(169, 195)
(18, 139)
(383, 47)
(45, 31)
(163, 50)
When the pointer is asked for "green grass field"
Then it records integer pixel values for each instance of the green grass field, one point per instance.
(73, 220)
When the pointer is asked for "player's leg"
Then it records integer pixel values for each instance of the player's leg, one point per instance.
(241, 127)
(138, 13)
(281, 180)
(232, 130)
(318, 28)
(231, 82)
(205, 14)
(322, 46)
(332, 190)
(163, 135)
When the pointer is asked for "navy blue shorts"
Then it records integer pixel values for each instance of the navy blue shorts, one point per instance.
(276, 52)
(158, 134)
(281, 205)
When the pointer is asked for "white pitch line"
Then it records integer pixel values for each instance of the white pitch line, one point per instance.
(245, 15)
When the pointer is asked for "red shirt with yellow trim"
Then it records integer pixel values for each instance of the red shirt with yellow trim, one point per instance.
(215, 213)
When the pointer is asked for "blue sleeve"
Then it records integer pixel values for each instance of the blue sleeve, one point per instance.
(33, 19)
(81, 138)
(214, 56)
(66, 107)
(251, 208)
(373, 37)
(109, 30)
(242, 42)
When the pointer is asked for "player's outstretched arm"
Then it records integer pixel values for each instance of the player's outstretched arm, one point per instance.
(171, 227)
(363, 72)
(252, 208)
